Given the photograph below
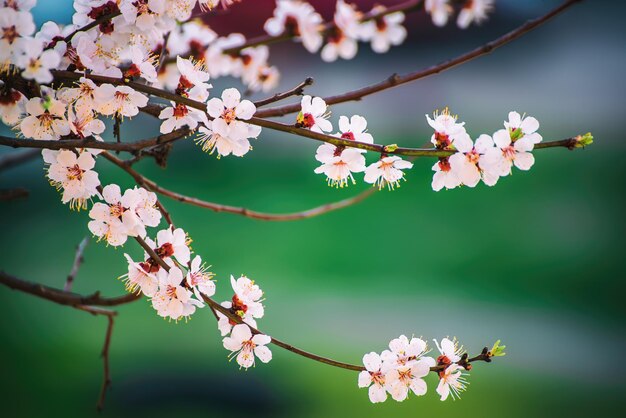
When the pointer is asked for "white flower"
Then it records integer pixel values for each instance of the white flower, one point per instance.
(220, 64)
(314, 115)
(520, 127)
(36, 62)
(342, 40)
(83, 95)
(192, 74)
(173, 300)
(451, 382)
(74, 175)
(245, 303)
(262, 78)
(246, 347)
(45, 120)
(199, 278)
(120, 100)
(143, 14)
(373, 377)
(144, 203)
(508, 153)
(439, 11)
(297, 18)
(338, 164)
(354, 129)
(82, 122)
(403, 378)
(384, 31)
(177, 116)
(232, 110)
(113, 220)
(387, 172)
(173, 243)
(140, 275)
(181, 9)
(472, 163)
(215, 136)
(141, 65)
(403, 351)
(447, 129)
(474, 11)
(450, 351)
(445, 175)
(14, 27)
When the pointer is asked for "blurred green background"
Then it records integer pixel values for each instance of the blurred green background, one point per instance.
(535, 261)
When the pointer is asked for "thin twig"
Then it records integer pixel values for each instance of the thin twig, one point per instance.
(296, 91)
(12, 194)
(78, 259)
(397, 80)
(62, 297)
(106, 378)
(217, 207)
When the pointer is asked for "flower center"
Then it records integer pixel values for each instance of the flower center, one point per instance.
(228, 115)
(472, 157)
(291, 26)
(180, 111)
(116, 210)
(335, 36)
(170, 291)
(509, 152)
(75, 172)
(442, 140)
(133, 71)
(165, 250)
(348, 135)
(121, 96)
(307, 120)
(10, 34)
(444, 164)
(381, 24)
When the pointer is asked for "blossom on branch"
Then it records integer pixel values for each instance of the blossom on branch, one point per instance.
(246, 347)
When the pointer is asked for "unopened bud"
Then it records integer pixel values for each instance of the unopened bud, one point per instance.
(390, 148)
(584, 140)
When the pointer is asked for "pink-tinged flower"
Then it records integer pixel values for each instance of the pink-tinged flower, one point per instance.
(14, 27)
(409, 377)
(373, 377)
(199, 278)
(474, 11)
(192, 74)
(216, 136)
(173, 243)
(144, 203)
(120, 100)
(140, 277)
(472, 161)
(115, 219)
(12, 104)
(338, 164)
(262, 78)
(314, 115)
(385, 31)
(520, 127)
(439, 11)
(447, 129)
(246, 346)
(342, 39)
(74, 175)
(141, 65)
(37, 62)
(387, 172)
(83, 123)
(45, 120)
(450, 351)
(143, 14)
(172, 299)
(508, 153)
(83, 96)
(403, 351)
(246, 303)
(446, 175)
(177, 116)
(232, 111)
(296, 18)
(451, 382)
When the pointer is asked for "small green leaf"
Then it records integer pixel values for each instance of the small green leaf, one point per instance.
(584, 140)
(390, 148)
(497, 350)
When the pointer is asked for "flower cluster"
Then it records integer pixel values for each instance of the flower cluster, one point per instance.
(246, 304)
(379, 27)
(401, 369)
(488, 158)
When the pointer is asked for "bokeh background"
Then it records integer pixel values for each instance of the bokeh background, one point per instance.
(535, 261)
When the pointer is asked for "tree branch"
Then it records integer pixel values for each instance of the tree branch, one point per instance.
(15, 159)
(296, 91)
(78, 259)
(62, 297)
(397, 80)
(319, 210)
(12, 194)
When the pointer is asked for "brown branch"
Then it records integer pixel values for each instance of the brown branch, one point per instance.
(78, 259)
(106, 378)
(91, 143)
(319, 210)
(12, 194)
(62, 297)
(91, 25)
(296, 91)
(15, 159)
(397, 80)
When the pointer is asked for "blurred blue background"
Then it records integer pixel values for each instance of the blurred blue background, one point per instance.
(535, 261)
